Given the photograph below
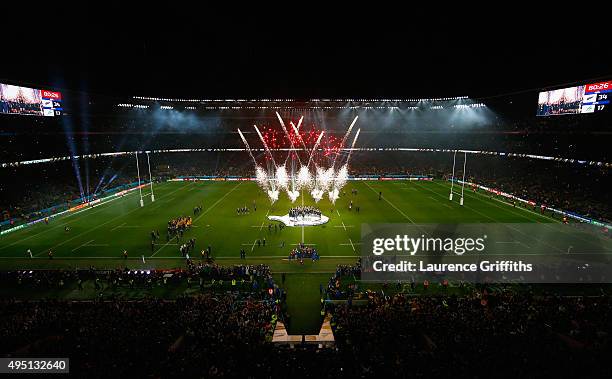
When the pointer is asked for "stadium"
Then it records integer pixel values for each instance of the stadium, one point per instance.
(289, 222)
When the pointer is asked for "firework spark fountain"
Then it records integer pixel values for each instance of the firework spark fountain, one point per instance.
(313, 176)
(290, 183)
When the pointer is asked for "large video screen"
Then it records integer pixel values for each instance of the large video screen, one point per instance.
(29, 101)
(588, 98)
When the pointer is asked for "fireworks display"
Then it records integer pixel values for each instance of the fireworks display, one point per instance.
(311, 161)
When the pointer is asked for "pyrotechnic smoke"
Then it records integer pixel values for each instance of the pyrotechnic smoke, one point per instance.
(273, 195)
(316, 194)
(282, 180)
(341, 176)
(291, 186)
(273, 192)
(261, 177)
(333, 195)
(304, 178)
(293, 195)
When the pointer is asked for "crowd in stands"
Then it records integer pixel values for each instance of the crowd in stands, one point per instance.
(112, 129)
(20, 105)
(259, 274)
(561, 185)
(482, 334)
(500, 331)
(208, 335)
(334, 289)
(485, 331)
(565, 185)
(43, 191)
(251, 277)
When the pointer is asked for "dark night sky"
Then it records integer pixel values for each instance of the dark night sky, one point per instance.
(185, 52)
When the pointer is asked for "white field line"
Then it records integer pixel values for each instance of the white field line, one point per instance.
(164, 245)
(217, 202)
(514, 243)
(518, 211)
(495, 221)
(603, 253)
(65, 223)
(98, 227)
(344, 226)
(117, 227)
(262, 223)
(203, 213)
(508, 206)
(391, 204)
(80, 246)
(161, 202)
(440, 202)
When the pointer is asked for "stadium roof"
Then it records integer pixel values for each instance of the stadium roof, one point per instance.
(184, 53)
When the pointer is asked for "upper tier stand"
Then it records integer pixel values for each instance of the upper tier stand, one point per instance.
(300, 221)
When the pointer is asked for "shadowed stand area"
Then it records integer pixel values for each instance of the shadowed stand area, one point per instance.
(303, 301)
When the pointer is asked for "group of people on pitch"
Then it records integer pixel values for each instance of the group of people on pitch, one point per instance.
(303, 211)
(178, 226)
(303, 251)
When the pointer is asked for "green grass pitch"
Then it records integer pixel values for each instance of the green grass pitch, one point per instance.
(98, 236)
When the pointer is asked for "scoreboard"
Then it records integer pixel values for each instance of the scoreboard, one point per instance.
(51, 103)
(596, 97)
(29, 101)
(589, 98)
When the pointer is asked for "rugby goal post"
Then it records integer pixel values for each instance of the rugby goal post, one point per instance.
(150, 178)
(450, 196)
(139, 187)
